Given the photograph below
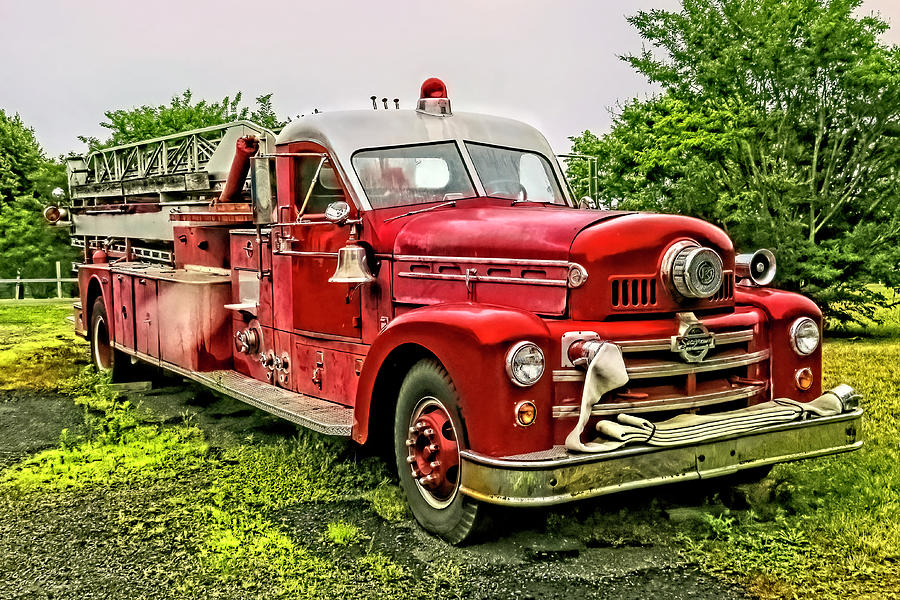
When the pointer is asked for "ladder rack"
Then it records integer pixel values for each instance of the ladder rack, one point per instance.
(193, 162)
(134, 191)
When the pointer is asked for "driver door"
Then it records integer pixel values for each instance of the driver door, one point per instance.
(306, 254)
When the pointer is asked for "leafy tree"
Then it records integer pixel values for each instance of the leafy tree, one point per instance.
(778, 120)
(182, 114)
(20, 157)
(27, 177)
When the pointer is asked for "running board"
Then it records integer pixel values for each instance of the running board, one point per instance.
(313, 413)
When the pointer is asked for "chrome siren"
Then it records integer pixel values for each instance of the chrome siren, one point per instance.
(757, 268)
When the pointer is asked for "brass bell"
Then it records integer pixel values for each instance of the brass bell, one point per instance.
(352, 266)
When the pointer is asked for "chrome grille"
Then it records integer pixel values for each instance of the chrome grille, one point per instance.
(660, 381)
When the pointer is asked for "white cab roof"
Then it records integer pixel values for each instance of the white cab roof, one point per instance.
(345, 132)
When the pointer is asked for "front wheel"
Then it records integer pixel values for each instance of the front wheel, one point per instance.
(428, 435)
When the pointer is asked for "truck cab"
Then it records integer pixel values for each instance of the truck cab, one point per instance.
(424, 277)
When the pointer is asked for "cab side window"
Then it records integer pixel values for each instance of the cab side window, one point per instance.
(326, 187)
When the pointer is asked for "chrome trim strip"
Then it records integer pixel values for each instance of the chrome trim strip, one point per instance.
(484, 279)
(564, 412)
(669, 368)
(306, 254)
(525, 262)
(665, 368)
(728, 337)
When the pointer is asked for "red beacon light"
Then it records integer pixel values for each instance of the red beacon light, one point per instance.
(433, 98)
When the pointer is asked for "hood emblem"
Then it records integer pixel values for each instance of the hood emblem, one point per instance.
(694, 340)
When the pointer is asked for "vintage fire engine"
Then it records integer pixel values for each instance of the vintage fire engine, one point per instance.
(424, 276)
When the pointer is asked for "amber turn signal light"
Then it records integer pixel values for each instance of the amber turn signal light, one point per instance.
(804, 378)
(525, 413)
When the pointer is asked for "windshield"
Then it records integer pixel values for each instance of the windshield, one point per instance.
(413, 175)
(515, 174)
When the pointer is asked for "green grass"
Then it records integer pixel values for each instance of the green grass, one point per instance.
(229, 514)
(835, 531)
(38, 347)
(342, 533)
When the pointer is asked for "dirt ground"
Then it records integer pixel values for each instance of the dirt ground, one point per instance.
(103, 544)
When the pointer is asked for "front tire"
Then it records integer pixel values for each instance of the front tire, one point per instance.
(428, 435)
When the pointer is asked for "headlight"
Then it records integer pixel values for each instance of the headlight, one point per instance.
(525, 364)
(804, 336)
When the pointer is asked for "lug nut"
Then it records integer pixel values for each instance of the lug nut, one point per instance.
(420, 425)
(435, 464)
(432, 448)
(410, 459)
(428, 432)
(413, 431)
(409, 443)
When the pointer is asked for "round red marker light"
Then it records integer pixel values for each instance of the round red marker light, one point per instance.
(804, 378)
(433, 88)
(525, 413)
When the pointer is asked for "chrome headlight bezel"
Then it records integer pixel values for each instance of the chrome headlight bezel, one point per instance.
(800, 335)
(514, 357)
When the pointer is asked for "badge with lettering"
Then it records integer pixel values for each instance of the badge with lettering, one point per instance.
(693, 341)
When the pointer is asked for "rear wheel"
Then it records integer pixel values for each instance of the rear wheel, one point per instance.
(106, 358)
(428, 436)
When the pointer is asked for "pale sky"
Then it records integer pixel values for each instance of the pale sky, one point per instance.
(551, 64)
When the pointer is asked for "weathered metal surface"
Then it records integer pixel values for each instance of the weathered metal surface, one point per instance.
(560, 477)
(462, 282)
(318, 415)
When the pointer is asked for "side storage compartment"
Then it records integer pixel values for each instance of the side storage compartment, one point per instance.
(122, 309)
(326, 373)
(196, 323)
(146, 317)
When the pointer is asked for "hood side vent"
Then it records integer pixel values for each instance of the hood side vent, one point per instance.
(726, 290)
(633, 292)
(641, 293)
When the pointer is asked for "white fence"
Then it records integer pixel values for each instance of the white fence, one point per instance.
(21, 284)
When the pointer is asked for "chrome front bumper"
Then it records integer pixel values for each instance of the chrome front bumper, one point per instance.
(557, 476)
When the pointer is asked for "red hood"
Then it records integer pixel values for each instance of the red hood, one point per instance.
(536, 232)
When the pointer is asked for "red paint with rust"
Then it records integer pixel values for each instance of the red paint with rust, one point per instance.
(349, 346)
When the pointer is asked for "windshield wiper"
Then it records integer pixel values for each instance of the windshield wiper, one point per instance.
(421, 210)
(514, 202)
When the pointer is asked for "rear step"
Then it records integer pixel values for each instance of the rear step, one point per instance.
(319, 415)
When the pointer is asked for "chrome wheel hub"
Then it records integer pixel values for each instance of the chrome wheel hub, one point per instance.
(433, 452)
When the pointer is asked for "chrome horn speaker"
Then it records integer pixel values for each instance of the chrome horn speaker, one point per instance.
(352, 266)
(758, 267)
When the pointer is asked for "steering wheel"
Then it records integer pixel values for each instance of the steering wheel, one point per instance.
(510, 184)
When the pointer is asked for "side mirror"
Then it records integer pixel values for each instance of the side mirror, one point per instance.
(262, 190)
(337, 212)
(587, 202)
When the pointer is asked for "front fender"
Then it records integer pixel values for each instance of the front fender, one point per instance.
(471, 341)
(782, 309)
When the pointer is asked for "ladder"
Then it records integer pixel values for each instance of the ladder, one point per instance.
(130, 191)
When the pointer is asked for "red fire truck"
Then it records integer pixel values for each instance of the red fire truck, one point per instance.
(425, 277)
